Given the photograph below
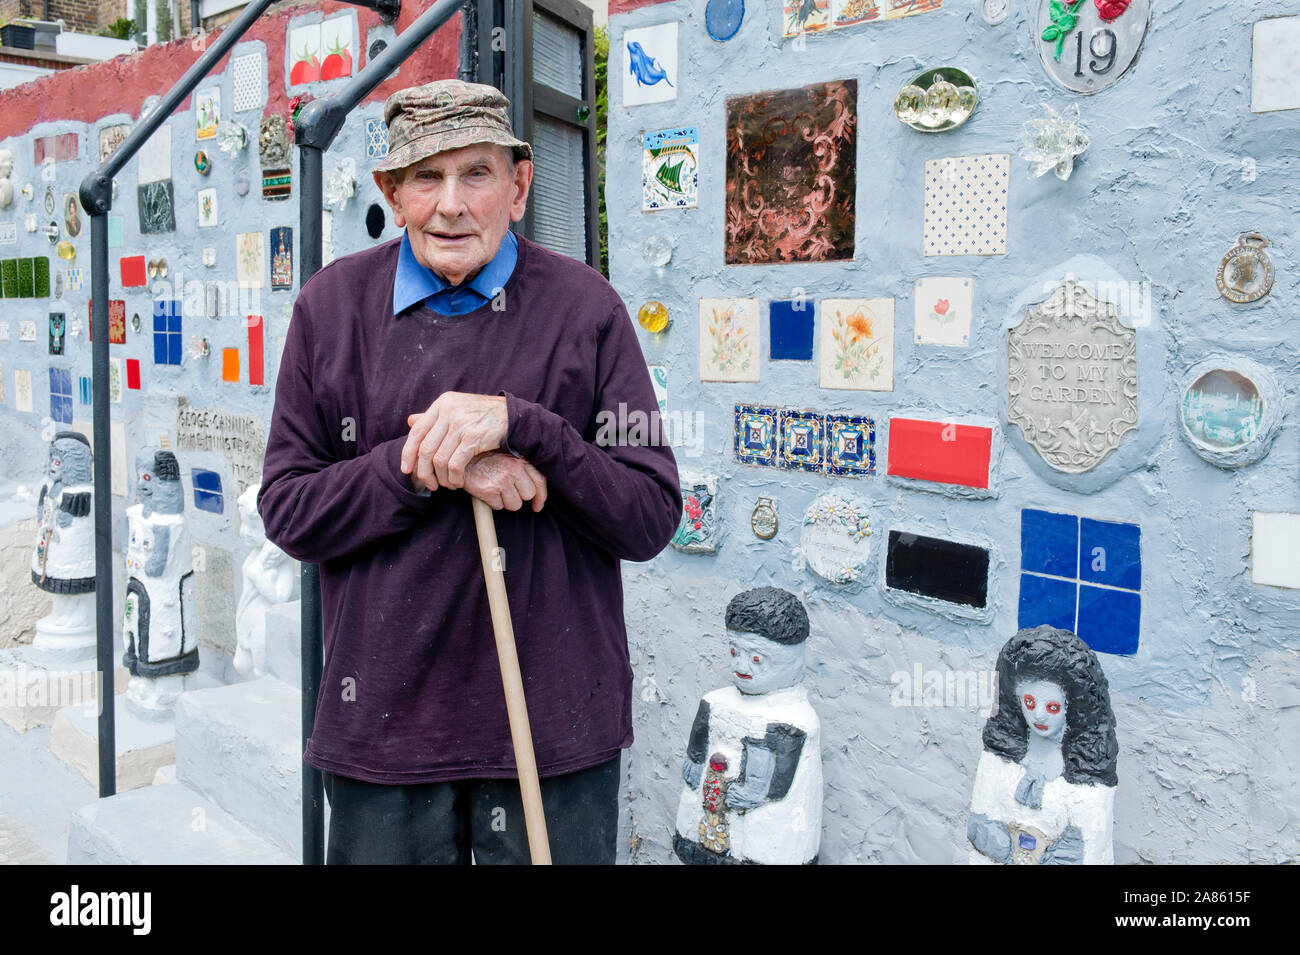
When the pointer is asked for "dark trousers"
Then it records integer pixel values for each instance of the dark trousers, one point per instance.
(442, 823)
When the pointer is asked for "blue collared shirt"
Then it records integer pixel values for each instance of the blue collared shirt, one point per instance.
(414, 283)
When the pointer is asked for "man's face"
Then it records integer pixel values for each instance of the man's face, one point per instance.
(457, 205)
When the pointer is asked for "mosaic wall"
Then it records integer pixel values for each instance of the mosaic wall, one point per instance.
(973, 322)
(203, 257)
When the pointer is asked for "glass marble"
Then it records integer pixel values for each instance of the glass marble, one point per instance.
(653, 317)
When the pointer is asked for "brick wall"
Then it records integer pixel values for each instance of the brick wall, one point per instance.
(85, 16)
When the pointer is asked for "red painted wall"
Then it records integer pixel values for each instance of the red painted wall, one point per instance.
(91, 92)
(623, 6)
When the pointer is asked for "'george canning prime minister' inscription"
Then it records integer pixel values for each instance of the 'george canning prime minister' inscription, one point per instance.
(1072, 379)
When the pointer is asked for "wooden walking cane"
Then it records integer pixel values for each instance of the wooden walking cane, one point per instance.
(520, 734)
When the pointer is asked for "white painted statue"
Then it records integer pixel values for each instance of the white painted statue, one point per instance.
(158, 632)
(1045, 786)
(63, 561)
(269, 575)
(753, 768)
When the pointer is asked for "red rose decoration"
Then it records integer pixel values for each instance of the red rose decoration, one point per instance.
(941, 306)
(1110, 10)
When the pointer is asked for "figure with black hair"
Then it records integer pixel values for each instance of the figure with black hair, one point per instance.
(63, 561)
(1045, 786)
(753, 768)
(158, 633)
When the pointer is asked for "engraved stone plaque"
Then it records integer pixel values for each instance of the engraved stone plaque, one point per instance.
(1072, 384)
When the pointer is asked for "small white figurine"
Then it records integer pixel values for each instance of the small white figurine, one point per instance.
(269, 576)
(1045, 786)
(158, 632)
(753, 768)
(63, 561)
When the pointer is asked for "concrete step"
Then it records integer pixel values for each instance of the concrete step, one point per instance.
(165, 825)
(284, 642)
(240, 747)
(38, 795)
(35, 684)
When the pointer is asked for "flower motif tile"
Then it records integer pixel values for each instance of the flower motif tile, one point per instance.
(697, 532)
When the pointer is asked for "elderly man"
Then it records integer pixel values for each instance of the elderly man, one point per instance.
(464, 360)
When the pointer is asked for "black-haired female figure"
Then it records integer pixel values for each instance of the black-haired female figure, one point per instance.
(1045, 786)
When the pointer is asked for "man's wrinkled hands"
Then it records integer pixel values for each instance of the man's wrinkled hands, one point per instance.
(456, 429)
(503, 481)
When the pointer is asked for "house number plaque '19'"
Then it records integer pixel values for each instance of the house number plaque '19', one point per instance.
(1087, 45)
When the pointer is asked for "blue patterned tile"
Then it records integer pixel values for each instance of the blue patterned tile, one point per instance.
(850, 445)
(376, 139)
(756, 435)
(801, 441)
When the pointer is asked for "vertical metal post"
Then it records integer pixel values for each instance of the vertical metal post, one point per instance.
(310, 252)
(103, 463)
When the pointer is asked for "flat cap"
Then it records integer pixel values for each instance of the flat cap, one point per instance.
(445, 115)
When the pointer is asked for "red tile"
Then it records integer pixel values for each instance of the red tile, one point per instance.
(940, 451)
(133, 271)
(133, 373)
(256, 373)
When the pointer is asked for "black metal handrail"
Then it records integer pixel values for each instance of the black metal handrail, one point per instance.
(96, 194)
(314, 131)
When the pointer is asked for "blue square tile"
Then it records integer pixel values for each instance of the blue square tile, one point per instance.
(1109, 619)
(1049, 543)
(61, 409)
(173, 349)
(160, 348)
(174, 309)
(1046, 601)
(206, 480)
(1110, 553)
(207, 501)
(791, 327)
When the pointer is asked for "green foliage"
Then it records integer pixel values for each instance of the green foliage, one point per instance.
(141, 13)
(602, 115)
(164, 21)
(119, 29)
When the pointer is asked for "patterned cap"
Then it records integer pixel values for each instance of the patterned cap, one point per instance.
(445, 115)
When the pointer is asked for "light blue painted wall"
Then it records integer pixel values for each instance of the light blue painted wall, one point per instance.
(1206, 737)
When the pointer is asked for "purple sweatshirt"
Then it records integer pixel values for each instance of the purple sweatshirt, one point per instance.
(411, 690)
